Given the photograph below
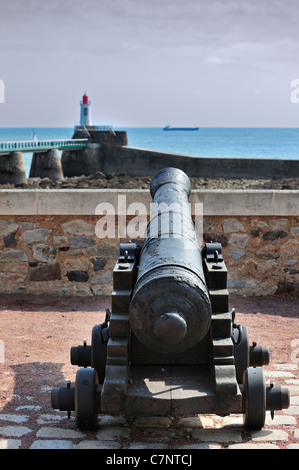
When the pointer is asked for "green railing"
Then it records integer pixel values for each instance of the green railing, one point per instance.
(41, 145)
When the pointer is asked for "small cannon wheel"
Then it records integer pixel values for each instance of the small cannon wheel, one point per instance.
(98, 352)
(254, 398)
(241, 350)
(85, 399)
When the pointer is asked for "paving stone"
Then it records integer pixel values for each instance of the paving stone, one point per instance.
(10, 444)
(293, 446)
(196, 422)
(110, 420)
(147, 445)
(28, 407)
(253, 446)
(47, 419)
(294, 400)
(52, 444)
(161, 434)
(14, 417)
(285, 366)
(54, 432)
(152, 422)
(295, 390)
(296, 433)
(231, 421)
(14, 431)
(269, 435)
(98, 445)
(201, 445)
(280, 420)
(292, 410)
(217, 435)
(113, 432)
(278, 373)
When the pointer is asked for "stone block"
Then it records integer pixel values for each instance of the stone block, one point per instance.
(81, 242)
(78, 227)
(237, 254)
(232, 225)
(102, 278)
(77, 276)
(295, 231)
(36, 236)
(215, 238)
(60, 240)
(10, 240)
(105, 251)
(98, 263)
(49, 272)
(7, 227)
(239, 240)
(44, 252)
(76, 264)
(13, 256)
(274, 234)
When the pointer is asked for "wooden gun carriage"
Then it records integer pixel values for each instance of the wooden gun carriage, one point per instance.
(170, 345)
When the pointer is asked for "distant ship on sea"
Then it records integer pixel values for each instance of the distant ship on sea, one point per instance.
(169, 128)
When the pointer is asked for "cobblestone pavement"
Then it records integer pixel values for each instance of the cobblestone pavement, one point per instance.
(31, 426)
(37, 341)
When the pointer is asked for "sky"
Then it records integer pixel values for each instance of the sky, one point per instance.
(208, 63)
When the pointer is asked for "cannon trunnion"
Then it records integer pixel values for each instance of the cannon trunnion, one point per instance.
(171, 344)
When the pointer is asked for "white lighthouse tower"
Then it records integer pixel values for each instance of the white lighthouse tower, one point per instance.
(85, 114)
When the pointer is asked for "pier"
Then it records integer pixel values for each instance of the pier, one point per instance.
(7, 148)
(45, 161)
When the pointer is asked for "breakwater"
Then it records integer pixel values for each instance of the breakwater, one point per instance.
(108, 151)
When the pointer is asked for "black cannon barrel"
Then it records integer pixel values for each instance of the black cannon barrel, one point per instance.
(170, 310)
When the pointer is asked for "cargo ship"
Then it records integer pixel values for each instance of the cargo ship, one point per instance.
(169, 128)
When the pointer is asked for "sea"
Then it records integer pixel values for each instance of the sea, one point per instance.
(277, 143)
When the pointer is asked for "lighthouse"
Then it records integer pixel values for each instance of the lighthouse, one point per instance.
(85, 113)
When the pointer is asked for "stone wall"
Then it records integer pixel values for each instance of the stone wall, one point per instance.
(48, 243)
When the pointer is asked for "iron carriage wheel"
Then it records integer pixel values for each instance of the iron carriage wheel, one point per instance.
(254, 398)
(85, 399)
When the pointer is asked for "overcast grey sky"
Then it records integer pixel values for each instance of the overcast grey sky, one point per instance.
(150, 62)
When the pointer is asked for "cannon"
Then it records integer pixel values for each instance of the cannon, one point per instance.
(170, 345)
